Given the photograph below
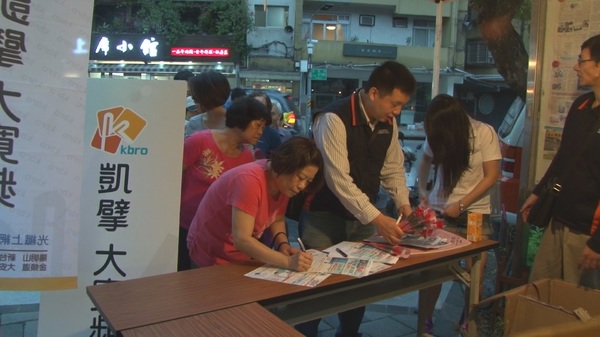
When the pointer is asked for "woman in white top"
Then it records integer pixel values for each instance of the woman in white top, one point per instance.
(465, 155)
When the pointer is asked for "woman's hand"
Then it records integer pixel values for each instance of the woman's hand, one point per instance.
(300, 261)
(452, 210)
(424, 201)
(527, 206)
(288, 250)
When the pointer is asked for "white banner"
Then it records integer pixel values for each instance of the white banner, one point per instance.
(43, 73)
(131, 190)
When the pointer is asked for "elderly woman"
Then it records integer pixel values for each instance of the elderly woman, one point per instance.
(251, 199)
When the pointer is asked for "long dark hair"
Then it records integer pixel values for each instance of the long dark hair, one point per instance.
(448, 131)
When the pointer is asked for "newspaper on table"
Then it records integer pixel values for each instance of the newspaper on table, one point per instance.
(322, 266)
(380, 259)
(428, 242)
(454, 241)
(361, 250)
(412, 240)
(276, 274)
(360, 260)
(435, 240)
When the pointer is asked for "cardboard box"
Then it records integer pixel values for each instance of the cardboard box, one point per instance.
(575, 329)
(546, 303)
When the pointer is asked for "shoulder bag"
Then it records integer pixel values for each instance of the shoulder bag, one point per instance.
(541, 212)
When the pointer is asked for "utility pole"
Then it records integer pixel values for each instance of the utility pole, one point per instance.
(306, 72)
(310, 44)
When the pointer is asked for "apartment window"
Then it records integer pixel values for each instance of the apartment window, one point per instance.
(400, 22)
(327, 27)
(479, 53)
(274, 16)
(424, 33)
(366, 20)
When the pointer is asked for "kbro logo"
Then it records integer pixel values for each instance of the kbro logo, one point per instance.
(117, 124)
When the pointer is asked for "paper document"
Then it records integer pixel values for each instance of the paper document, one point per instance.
(429, 242)
(283, 275)
(360, 250)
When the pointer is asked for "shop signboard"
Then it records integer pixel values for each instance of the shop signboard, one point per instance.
(128, 47)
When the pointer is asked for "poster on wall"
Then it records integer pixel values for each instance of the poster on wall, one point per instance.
(43, 74)
(569, 24)
(133, 145)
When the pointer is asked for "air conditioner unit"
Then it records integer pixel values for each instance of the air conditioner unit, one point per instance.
(366, 20)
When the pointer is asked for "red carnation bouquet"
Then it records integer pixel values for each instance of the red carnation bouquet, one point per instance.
(421, 221)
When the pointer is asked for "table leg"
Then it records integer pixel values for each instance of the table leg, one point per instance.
(421, 315)
(473, 295)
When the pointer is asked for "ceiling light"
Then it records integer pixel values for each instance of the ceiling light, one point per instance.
(330, 27)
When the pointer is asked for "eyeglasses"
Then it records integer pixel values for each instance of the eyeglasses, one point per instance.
(580, 61)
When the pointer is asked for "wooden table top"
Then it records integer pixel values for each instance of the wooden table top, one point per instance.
(149, 300)
(241, 321)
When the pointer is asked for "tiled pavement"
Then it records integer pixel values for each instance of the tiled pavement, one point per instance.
(397, 317)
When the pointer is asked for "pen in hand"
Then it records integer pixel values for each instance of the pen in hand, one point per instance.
(341, 252)
(301, 244)
(399, 219)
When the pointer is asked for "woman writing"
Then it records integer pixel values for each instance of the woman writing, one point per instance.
(250, 199)
(467, 156)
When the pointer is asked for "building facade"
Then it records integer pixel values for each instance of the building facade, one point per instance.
(317, 51)
(340, 42)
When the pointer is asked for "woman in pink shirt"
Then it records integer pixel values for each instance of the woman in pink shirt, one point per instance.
(209, 153)
(251, 199)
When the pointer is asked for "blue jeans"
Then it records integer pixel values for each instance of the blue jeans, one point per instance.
(321, 230)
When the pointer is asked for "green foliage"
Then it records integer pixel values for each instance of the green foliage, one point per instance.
(161, 17)
(164, 17)
(229, 17)
(520, 9)
(535, 237)
(524, 12)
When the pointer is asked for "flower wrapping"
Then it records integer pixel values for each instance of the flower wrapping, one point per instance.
(421, 221)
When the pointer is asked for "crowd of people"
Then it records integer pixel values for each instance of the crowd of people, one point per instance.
(240, 170)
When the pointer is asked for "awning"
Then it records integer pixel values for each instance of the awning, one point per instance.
(157, 68)
(270, 75)
(485, 83)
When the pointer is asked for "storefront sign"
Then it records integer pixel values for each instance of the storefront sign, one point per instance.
(199, 52)
(128, 47)
(369, 50)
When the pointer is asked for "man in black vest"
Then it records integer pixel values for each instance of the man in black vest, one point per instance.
(358, 137)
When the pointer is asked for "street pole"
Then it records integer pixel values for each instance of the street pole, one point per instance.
(308, 114)
(307, 88)
(435, 88)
